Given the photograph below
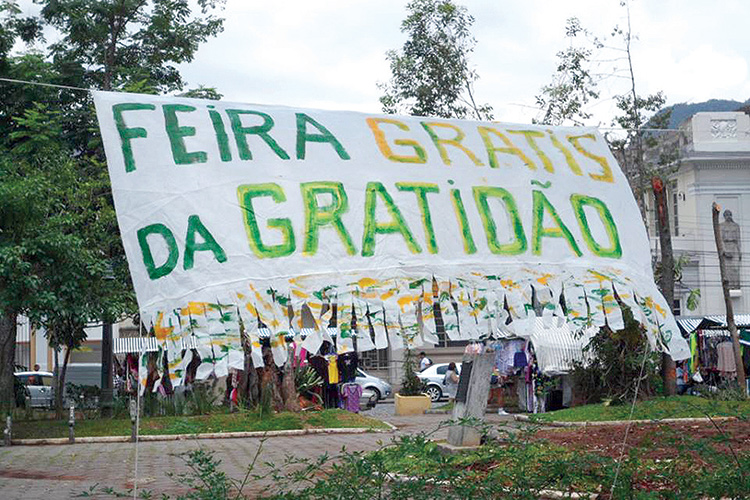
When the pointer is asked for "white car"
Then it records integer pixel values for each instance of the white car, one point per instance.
(433, 376)
(40, 387)
(378, 386)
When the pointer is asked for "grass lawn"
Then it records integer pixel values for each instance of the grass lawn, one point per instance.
(217, 422)
(652, 409)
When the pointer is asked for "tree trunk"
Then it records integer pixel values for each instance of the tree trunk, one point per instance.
(666, 282)
(253, 386)
(288, 389)
(270, 380)
(7, 360)
(61, 385)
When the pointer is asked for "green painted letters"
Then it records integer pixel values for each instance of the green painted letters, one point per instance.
(241, 133)
(541, 205)
(154, 272)
(420, 189)
(373, 227)
(209, 243)
(518, 245)
(579, 201)
(324, 136)
(126, 134)
(317, 216)
(176, 135)
(246, 193)
(222, 139)
(463, 222)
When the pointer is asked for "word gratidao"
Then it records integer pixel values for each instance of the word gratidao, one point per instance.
(508, 241)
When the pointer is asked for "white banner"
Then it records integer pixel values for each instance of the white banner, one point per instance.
(260, 207)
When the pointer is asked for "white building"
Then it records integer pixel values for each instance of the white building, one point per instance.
(32, 348)
(714, 166)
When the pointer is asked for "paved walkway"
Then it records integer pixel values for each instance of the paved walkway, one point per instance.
(61, 472)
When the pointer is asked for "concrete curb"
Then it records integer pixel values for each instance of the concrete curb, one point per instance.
(526, 418)
(208, 435)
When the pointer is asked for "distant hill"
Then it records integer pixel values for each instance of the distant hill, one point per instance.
(683, 111)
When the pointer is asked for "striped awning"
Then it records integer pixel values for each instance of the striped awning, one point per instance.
(145, 344)
(150, 344)
(741, 320)
(689, 324)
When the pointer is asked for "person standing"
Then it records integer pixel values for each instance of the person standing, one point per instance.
(424, 361)
(450, 381)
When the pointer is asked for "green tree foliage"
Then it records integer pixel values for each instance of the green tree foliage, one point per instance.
(621, 363)
(57, 227)
(573, 86)
(202, 92)
(431, 75)
(411, 385)
(114, 43)
(61, 257)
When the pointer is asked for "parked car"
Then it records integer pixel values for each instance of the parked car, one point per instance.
(380, 387)
(40, 387)
(433, 376)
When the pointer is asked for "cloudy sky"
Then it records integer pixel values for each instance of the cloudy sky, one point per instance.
(331, 54)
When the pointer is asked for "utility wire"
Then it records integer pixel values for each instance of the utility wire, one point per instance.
(81, 89)
(41, 84)
(630, 419)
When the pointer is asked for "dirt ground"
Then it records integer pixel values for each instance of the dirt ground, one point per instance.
(655, 441)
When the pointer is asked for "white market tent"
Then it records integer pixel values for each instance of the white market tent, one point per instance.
(557, 348)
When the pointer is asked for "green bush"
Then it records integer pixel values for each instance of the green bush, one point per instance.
(202, 400)
(614, 366)
(84, 397)
(411, 385)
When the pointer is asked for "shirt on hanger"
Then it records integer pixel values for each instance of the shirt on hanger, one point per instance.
(333, 370)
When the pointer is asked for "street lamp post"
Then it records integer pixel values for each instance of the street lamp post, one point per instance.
(106, 400)
(106, 397)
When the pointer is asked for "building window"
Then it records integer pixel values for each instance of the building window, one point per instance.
(676, 309)
(376, 359)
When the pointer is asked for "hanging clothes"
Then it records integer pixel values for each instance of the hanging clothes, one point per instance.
(320, 365)
(725, 359)
(694, 356)
(347, 366)
(333, 369)
(350, 395)
(520, 360)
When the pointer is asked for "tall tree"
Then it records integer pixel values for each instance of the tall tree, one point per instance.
(58, 233)
(118, 42)
(640, 172)
(646, 159)
(431, 74)
(20, 213)
(573, 86)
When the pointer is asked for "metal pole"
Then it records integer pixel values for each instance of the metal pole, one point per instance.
(106, 401)
(71, 425)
